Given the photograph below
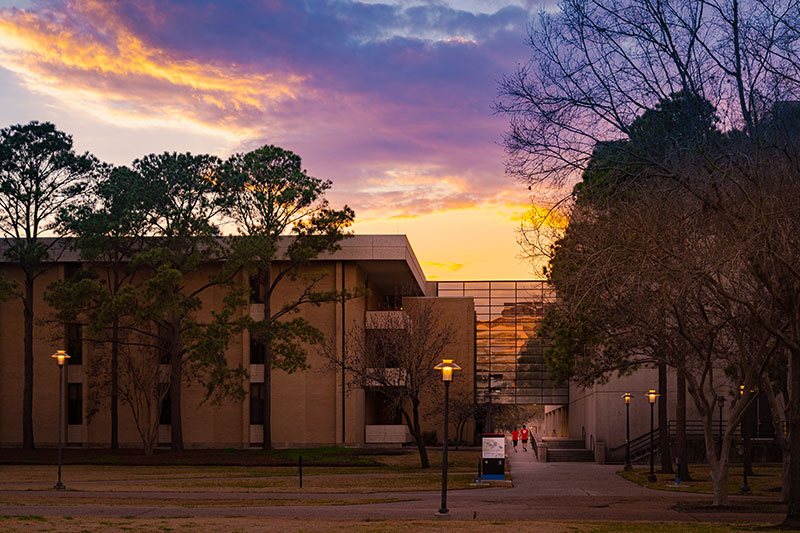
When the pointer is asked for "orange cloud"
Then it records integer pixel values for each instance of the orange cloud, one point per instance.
(99, 69)
(451, 267)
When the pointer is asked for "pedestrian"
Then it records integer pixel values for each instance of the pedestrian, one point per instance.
(515, 438)
(524, 435)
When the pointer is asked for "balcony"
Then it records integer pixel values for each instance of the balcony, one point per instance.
(257, 312)
(387, 320)
(387, 435)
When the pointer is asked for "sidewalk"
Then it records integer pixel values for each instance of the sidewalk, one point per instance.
(541, 491)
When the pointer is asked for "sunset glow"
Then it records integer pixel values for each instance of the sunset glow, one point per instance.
(392, 102)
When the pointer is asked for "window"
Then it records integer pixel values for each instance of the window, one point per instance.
(255, 289)
(166, 408)
(257, 354)
(74, 336)
(75, 403)
(256, 403)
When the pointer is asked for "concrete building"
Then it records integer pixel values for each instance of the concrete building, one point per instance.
(495, 344)
(309, 408)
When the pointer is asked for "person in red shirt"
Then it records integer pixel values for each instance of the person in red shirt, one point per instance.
(515, 438)
(524, 434)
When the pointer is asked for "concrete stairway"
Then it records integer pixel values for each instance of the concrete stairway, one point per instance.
(567, 450)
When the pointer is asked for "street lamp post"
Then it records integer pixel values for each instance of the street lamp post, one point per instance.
(721, 402)
(446, 366)
(628, 466)
(61, 358)
(745, 489)
(651, 397)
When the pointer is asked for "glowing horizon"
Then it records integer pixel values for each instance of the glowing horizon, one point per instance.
(391, 101)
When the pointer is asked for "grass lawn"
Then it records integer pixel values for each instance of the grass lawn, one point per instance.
(765, 488)
(766, 482)
(240, 524)
(396, 470)
(324, 456)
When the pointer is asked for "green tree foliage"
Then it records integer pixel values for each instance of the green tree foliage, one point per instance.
(183, 240)
(274, 197)
(109, 230)
(40, 175)
(140, 236)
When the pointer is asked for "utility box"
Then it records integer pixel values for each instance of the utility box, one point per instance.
(493, 456)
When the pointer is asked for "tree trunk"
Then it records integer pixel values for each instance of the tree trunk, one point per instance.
(682, 455)
(416, 432)
(717, 462)
(786, 477)
(424, 452)
(175, 378)
(792, 520)
(719, 478)
(663, 422)
(267, 278)
(747, 463)
(267, 444)
(115, 367)
(779, 412)
(27, 397)
(115, 384)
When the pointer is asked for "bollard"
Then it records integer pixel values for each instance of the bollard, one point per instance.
(300, 471)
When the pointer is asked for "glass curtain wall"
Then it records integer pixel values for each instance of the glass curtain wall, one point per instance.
(509, 355)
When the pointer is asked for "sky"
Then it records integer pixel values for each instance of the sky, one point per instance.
(391, 101)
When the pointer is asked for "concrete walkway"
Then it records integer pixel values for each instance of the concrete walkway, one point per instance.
(543, 491)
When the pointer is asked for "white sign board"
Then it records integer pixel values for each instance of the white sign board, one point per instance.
(494, 448)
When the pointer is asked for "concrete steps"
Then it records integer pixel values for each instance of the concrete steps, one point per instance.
(569, 456)
(567, 451)
(564, 444)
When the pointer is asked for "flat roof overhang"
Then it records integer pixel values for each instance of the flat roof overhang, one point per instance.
(388, 260)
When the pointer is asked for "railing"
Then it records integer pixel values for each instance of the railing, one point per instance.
(694, 428)
(640, 446)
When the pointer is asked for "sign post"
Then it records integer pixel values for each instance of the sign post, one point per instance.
(493, 456)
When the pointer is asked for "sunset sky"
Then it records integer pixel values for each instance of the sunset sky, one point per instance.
(391, 101)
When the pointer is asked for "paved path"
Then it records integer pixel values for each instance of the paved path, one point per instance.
(545, 491)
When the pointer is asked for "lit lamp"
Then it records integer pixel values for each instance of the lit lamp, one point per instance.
(446, 366)
(628, 466)
(651, 397)
(61, 358)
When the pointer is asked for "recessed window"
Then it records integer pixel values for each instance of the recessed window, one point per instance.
(74, 336)
(257, 352)
(256, 403)
(256, 295)
(74, 403)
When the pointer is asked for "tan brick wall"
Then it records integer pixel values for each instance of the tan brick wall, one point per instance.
(306, 404)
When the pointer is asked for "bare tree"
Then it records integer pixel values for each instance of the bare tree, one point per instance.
(648, 276)
(396, 356)
(598, 65)
(143, 385)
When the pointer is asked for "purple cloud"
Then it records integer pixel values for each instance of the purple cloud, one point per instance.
(393, 103)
